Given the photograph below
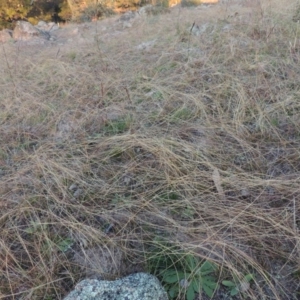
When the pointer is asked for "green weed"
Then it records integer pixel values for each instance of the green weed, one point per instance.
(118, 126)
(195, 278)
(237, 286)
(183, 274)
(182, 113)
(72, 55)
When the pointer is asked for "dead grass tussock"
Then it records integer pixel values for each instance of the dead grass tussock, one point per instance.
(112, 148)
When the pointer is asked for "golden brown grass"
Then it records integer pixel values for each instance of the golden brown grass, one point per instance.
(193, 141)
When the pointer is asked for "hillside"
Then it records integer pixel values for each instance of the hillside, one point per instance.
(163, 143)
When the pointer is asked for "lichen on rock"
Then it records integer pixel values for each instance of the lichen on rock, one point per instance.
(139, 286)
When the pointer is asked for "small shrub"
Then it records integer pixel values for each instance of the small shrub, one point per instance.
(65, 11)
(95, 11)
(182, 113)
(32, 20)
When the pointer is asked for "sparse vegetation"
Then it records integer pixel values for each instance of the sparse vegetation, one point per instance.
(186, 151)
(237, 286)
(95, 12)
(32, 11)
(191, 279)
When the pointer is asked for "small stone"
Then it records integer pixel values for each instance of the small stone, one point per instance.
(198, 30)
(244, 286)
(146, 45)
(127, 16)
(245, 192)
(184, 283)
(127, 25)
(73, 187)
(78, 193)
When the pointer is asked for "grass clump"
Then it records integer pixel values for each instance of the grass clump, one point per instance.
(195, 141)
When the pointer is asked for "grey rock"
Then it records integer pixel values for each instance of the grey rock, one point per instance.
(73, 187)
(44, 26)
(198, 30)
(149, 10)
(78, 193)
(41, 24)
(245, 192)
(25, 31)
(127, 25)
(127, 19)
(146, 45)
(145, 10)
(128, 16)
(139, 286)
(52, 26)
(5, 35)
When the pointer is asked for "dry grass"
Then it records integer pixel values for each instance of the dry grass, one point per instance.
(111, 150)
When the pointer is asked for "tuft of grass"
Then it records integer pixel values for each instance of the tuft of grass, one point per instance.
(193, 141)
(118, 126)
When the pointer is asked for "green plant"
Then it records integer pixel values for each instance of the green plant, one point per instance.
(35, 227)
(189, 276)
(236, 285)
(118, 126)
(64, 244)
(72, 55)
(182, 113)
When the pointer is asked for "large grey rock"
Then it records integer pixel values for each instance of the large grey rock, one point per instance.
(139, 286)
(24, 31)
